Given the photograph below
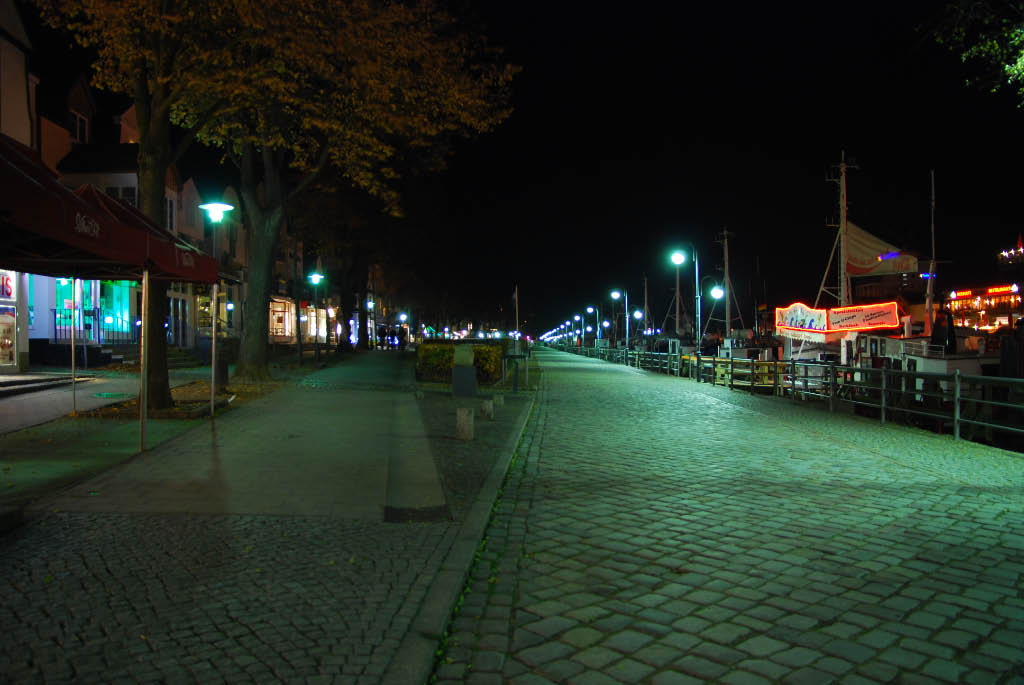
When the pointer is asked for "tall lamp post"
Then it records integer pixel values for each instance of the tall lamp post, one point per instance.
(583, 335)
(214, 210)
(616, 294)
(678, 257)
(597, 320)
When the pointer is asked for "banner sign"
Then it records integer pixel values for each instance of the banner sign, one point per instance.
(800, 316)
(798, 320)
(863, 317)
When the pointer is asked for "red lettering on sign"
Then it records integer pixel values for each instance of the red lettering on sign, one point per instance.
(6, 287)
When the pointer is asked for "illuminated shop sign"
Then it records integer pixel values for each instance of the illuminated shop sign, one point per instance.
(8, 286)
(1000, 289)
(960, 293)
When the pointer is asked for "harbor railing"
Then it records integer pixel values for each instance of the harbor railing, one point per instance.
(968, 406)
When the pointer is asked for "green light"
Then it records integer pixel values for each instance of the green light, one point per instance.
(215, 210)
(678, 258)
(315, 278)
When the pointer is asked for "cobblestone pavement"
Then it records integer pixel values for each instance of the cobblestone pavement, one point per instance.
(107, 595)
(652, 529)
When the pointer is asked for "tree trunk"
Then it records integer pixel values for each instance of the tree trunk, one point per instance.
(153, 165)
(252, 354)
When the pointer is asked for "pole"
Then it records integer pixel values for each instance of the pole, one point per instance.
(677, 301)
(74, 399)
(844, 295)
(930, 296)
(696, 289)
(728, 287)
(625, 316)
(213, 348)
(144, 363)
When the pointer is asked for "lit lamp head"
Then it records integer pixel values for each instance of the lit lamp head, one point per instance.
(606, 323)
(717, 292)
(215, 210)
(576, 317)
(638, 315)
(678, 257)
(590, 310)
(616, 294)
(315, 278)
(369, 305)
(402, 317)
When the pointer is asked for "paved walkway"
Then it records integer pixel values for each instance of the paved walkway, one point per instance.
(256, 548)
(657, 530)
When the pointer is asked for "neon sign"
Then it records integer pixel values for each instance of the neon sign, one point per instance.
(999, 289)
(959, 293)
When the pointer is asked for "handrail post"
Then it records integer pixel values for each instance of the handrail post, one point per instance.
(714, 370)
(882, 403)
(696, 373)
(832, 387)
(792, 377)
(732, 370)
(956, 404)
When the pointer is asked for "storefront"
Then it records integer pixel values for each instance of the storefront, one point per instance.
(282, 320)
(987, 308)
(8, 320)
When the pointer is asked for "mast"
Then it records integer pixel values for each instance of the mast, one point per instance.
(929, 297)
(728, 285)
(844, 281)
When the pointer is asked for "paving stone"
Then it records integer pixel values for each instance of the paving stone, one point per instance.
(797, 657)
(700, 668)
(596, 657)
(762, 646)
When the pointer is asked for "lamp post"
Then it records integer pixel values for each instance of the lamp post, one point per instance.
(315, 278)
(214, 210)
(616, 294)
(597, 320)
(678, 257)
(583, 335)
(717, 292)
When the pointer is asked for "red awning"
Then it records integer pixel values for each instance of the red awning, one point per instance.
(45, 228)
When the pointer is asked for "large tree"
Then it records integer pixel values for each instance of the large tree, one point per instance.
(989, 37)
(160, 53)
(344, 83)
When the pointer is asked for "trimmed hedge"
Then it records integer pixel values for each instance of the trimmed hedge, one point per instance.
(434, 361)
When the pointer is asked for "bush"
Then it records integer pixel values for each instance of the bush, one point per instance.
(434, 361)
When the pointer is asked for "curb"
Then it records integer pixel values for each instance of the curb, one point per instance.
(414, 660)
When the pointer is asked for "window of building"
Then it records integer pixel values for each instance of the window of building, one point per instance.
(169, 214)
(79, 126)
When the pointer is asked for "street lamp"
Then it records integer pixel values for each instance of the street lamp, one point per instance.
(583, 336)
(315, 278)
(616, 294)
(597, 317)
(215, 211)
(678, 257)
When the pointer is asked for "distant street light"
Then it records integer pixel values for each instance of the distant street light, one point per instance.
(597, 317)
(316, 278)
(616, 294)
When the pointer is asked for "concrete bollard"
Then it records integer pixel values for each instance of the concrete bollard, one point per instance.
(464, 424)
(487, 409)
(499, 400)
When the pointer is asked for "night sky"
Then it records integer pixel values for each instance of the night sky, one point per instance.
(638, 128)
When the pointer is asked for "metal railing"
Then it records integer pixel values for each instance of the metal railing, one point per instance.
(969, 406)
(91, 326)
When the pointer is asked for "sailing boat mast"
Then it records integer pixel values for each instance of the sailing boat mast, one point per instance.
(844, 280)
(929, 298)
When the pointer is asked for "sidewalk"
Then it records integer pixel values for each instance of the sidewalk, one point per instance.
(257, 547)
